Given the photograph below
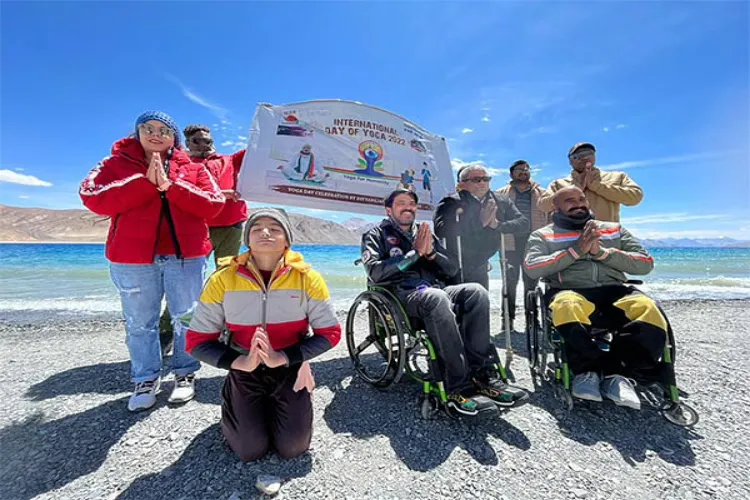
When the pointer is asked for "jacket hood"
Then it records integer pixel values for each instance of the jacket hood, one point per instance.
(132, 149)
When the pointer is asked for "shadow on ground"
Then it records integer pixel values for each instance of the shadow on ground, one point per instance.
(208, 469)
(364, 412)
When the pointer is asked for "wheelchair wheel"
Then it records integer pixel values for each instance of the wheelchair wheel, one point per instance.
(680, 413)
(372, 322)
(418, 358)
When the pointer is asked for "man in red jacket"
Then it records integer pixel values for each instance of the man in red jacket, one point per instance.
(225, 228)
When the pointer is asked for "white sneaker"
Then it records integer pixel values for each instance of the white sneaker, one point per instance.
(184, 388)
(620, 390)
(144, 395)
(586, 386)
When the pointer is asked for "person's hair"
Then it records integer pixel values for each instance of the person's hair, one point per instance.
(464, 174)
(191, 129)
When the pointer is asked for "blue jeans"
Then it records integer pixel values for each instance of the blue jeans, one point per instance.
(141, 288)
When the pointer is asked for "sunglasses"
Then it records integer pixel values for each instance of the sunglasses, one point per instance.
(582, 154)
(477, 180)
(164, 132)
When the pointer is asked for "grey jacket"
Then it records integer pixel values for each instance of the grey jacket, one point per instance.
(553, 253)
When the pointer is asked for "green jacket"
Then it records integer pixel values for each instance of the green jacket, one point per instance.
(553, 253)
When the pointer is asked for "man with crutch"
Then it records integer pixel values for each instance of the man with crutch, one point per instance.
(472, 221)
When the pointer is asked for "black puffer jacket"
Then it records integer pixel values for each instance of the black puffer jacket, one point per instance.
(478, 243)
(389, 257)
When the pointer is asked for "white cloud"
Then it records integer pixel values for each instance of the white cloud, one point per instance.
(242, 137)
(12, 177)
(486, 119)
(605, 129)
(620, 126)
(227, 143)
(217, 110)
(467, 130)
(458, 164)
(18, 169)
(670, 218)
(663, 161)
(24, 197)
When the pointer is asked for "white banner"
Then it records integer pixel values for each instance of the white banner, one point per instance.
(343, 156)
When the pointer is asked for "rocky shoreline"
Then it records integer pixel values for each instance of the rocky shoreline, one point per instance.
(65, 431)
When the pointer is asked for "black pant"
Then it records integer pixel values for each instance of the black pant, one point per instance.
(476, 274)
(638, 345)
(515, 267)
(260, 410)
(457, 320)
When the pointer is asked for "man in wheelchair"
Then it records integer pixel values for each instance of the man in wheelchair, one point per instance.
(408, 258)
(585, 262)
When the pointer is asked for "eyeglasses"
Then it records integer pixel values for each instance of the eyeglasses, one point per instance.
(164, 132)
(521, 169)
(201, 140)
(582, 154)
(477, 180)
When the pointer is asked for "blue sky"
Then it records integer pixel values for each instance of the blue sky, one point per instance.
(662, 89)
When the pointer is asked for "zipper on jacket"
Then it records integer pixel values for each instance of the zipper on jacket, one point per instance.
(595, 273)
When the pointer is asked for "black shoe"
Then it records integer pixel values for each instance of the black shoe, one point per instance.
(469, 406)
(500, 393)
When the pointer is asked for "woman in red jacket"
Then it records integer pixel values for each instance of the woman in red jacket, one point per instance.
(158, 202)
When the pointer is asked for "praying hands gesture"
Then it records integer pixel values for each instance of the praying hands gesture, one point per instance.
(489, 213)
(589, 240)
(423, 240)
(156, 173)
(262, 352)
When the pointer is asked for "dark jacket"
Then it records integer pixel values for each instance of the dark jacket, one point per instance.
(478, 243)
(389, 257)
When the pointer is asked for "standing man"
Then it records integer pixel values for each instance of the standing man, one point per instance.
(526, 195)
(226, 228)
(478, 216)
(605, 191)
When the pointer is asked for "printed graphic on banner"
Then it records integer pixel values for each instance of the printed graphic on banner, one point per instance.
(340, 155)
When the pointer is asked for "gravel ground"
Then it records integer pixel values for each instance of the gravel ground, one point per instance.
(65, 431)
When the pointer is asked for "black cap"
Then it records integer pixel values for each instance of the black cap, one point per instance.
(581, 145)
(389, 201)
(517, 163)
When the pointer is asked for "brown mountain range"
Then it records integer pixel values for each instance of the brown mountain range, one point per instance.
(29, 225)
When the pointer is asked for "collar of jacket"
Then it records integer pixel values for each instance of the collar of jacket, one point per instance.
(570, 223)
(393, 225)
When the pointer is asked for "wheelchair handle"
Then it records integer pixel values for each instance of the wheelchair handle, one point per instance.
(357, 262)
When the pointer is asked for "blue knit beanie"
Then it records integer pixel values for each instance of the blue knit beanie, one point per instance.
(162, 117)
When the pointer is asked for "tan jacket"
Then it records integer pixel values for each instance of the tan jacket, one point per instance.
(605, 193)
(539, 218)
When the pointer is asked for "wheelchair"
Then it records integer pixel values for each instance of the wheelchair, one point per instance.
(378, 319)
(548, 362)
